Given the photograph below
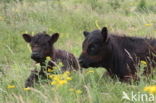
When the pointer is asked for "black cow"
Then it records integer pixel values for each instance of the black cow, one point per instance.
(120, 55)
(42, 47)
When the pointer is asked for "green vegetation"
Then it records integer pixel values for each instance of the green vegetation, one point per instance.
(70, 18)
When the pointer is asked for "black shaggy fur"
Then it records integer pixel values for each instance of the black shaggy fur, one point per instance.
(42, 47)
(120, 55)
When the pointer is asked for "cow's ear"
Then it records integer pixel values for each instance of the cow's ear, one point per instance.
(86, 33)
(27, 37)
(104, 33)
(54, 37)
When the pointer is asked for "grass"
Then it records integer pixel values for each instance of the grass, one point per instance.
(70, 18)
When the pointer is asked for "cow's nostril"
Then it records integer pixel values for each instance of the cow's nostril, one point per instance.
(35, 55)
(83, 63)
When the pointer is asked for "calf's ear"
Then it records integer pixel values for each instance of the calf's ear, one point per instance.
(54, 38)
(27, 37)
(104, 33)
(85, 33)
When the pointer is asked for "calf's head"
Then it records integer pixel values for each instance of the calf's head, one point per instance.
(95, 48)
(41, 45)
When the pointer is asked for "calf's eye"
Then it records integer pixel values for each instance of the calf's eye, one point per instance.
(92, 50)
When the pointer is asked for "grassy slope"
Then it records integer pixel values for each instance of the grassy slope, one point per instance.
(70, 18)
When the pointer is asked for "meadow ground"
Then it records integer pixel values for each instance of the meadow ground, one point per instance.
(70, 18)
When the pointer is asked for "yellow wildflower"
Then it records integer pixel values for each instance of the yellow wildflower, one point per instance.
(148, 24)
(55, 68)
(69, 78)
(48, 58)
(78, 91)
(150, 89)
(50, 76)
(11, 86)
(143, 62)
(49, 70)
(53, 83)
(90, 71)
(56, 78)
(62, 82)
(67, 72)
(60, 79)
(26, 89)
(59, 82)
(146, 89)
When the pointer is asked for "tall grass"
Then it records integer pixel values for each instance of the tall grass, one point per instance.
(70, 18)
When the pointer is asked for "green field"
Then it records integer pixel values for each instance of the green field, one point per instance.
(69, 18)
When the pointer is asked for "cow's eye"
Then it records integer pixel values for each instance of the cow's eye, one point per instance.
(92, 50)
(34, 46)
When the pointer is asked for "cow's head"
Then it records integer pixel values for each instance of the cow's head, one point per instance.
(95, 48)
(41, 45)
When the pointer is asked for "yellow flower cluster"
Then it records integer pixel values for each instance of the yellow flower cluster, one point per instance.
(148, 24)
(143, 62)
(77, 91)
(26, 89)
(150, 89)
(11, 86)
(60, 79)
